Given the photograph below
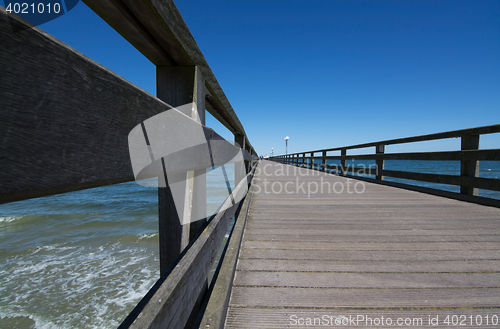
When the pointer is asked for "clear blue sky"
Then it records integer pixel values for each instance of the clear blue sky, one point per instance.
(330, 73)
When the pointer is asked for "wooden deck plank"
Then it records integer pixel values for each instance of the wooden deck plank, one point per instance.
(388, 226)
(365, 298)
(382, 266)
(338, 238)
(370, 231)
(401, 246)
(386, 251)
(442, 255)
(247, 318)
(366, 280)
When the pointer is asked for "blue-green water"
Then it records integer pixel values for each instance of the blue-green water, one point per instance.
(83, 259)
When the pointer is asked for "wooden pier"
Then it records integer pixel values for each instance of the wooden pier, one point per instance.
(383, 252)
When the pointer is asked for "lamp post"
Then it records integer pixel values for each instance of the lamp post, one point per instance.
(286, 143)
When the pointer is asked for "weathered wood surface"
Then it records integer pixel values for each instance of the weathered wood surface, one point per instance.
(280, 318)
(64, 118)
(385, 252)
(178, 225)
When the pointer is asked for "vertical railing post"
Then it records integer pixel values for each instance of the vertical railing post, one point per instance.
(179, 85)
(469, 168)
(324, 161)
(240, 168)
(343, 167)
(312, 160)
(303, 159)
(380, 149)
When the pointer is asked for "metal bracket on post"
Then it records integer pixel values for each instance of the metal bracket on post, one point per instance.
(469, 168)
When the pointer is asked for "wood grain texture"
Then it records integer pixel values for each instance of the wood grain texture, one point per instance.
(385, 251)
(259, 318)
(366, 280)
(466, 254)
(365, 297)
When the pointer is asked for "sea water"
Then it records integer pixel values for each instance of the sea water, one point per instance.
(83, 259)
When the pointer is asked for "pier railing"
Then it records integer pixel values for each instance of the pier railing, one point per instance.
(469, 156)
(65, 122)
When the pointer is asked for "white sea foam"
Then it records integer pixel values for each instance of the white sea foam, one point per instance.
(76, 286)
(9, 219)
(148, 236)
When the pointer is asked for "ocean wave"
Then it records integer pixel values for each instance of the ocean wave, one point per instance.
(20, 320)
(52, 248)
(148, 236)
(78, 286)
(9, 219)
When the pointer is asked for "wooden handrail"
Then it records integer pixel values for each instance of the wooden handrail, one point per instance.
(469, 157)
(443, 135)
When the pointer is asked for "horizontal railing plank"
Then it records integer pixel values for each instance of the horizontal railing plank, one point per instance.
(470, 155)
(477, 182)
(448, 134)
(65, 119)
